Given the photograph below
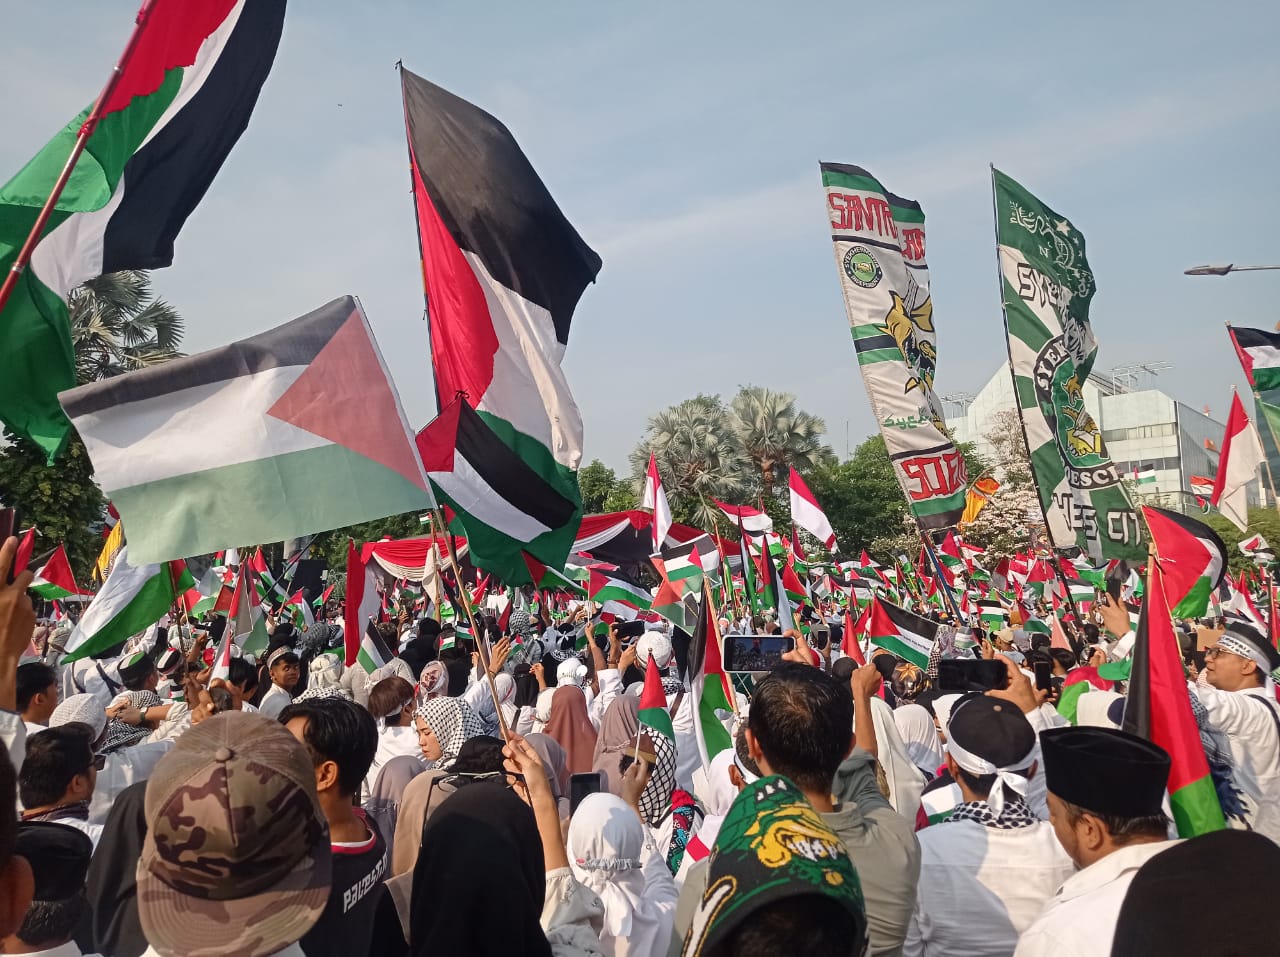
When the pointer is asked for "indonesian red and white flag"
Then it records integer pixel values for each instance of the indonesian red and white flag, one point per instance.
(656, 498)
(751, 519)
(808, 514)
(1237, 466)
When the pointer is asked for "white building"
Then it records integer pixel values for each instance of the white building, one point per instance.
(1142, 429)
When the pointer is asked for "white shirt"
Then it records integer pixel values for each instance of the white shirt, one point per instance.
(275, 701)
(1080, 920)
(393, 741)
(981, 887)
(1250, 733)
(124, 767)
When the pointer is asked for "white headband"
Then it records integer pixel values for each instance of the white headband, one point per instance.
(970, 762)
(1238, 646)
(748, 777)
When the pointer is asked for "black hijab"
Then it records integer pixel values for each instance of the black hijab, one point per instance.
(480, 847)
(112, 883)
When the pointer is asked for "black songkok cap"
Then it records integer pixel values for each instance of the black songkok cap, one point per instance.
(1163, 910)
(1105, 770)
(58, 855)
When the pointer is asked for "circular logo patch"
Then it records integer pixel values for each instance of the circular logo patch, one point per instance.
(861, 267)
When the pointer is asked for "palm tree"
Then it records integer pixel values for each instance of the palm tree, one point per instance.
(698, 456)
(774, 434)
(117, 325)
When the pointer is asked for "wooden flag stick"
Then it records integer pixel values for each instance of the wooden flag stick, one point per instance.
(481, 641)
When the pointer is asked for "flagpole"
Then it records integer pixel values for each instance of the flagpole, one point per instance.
(82, 140)
(937, 570)
(715, 525)
(715, 636)
(480, 640)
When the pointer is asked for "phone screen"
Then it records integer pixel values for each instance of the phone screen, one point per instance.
(979, 674)
(755, 652)
(1044, 675)
(580, 785)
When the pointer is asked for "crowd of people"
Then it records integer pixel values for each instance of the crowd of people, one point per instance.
(514, 799)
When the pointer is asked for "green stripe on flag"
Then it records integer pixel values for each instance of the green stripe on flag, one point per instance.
(1196, 809)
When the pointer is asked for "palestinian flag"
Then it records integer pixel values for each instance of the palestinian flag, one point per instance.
(245, 619)
(180, 102)
(1237, 466)
(895, 629)
(711, 689)
(748, 570)
(653, 713)
(752, 520)
(1256, 547)
(291, 432)
(850, 640)
(324, 597)
(1191, 556)
(1158, 708)
(373, 653)
(1081, 680)
(808, 514)
(684, 566)
(1144, 475)
(504, 270)
(300, 611)
(673, 602)
(131, 599)
(545, 578)
(53, 577)
(362, 603)
(1259, 353)
(222, 658)
(604, 588)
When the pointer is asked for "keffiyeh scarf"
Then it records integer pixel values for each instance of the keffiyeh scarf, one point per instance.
(453, 723)
(655, 800)
(1014, 814)
(121, 735)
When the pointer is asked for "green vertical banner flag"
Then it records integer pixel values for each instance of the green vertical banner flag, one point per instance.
(880, 255)
(1047, 287)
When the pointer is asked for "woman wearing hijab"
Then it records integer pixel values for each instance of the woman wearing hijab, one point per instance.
(443, 724)
(485, 848)
(617, 731)
(434, 681)
(112, 882)
(481, 699)
(571, 726)
(920, 736)
(554, 763)
(612, 854)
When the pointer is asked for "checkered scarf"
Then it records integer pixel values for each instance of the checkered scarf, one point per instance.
(1014, 814)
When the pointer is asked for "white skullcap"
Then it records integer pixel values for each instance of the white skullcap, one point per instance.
(570, 672)
(655, 646)
(85, 708)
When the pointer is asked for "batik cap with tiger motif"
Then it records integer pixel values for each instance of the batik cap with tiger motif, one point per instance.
(772, 845)
(236, 858)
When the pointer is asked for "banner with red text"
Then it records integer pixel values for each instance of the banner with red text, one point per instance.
(880, 256)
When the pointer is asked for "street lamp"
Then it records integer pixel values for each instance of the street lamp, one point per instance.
(1223, 270)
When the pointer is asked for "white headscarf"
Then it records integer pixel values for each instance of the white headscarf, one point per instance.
(942, 706)
(1093, 706)
(915, 724)
(606, 841)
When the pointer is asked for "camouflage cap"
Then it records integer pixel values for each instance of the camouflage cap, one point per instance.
(236, 858)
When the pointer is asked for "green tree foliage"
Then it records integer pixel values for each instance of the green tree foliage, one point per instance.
(1262, 521)
(737, 453)
(61, 501)
(331, 547)
(603, 491)
(118, 325)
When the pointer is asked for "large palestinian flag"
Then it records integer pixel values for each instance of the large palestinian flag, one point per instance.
(503, 270)
(907, 635)
(1192, 557)
(291, 432)
(1158, 708)
(507, 506)
(1259, 353)
(182, 100)
(1047, 287)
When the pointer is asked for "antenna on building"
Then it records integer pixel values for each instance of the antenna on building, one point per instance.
(1127, 377)
(961, 400)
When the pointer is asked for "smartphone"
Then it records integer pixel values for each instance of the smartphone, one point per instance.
(630, 629)
(1044, 675)
(580, 785)
(980, 674)
(9, 526)
(755, 653)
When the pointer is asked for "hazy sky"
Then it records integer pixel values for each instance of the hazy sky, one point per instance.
(683, 140)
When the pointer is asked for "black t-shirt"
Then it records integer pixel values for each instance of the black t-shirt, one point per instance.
(345, 929)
